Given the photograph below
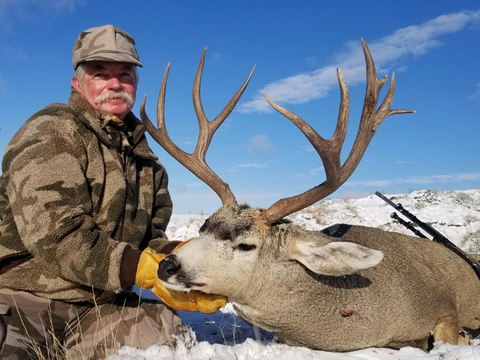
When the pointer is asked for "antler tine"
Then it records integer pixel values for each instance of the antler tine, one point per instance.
(195, 162)
(329, 150)
(208, 127)
(371, 118)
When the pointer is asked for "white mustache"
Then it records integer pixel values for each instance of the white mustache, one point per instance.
(114, 95)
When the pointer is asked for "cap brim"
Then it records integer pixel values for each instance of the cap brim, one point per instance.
(115, 57)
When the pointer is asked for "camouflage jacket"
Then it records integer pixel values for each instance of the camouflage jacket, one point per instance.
(74, 199)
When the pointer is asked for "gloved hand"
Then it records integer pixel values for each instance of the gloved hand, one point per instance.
(147, 278)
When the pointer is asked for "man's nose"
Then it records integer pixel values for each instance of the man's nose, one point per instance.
(114, 83)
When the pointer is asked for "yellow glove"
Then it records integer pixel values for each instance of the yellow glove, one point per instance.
(193, 300)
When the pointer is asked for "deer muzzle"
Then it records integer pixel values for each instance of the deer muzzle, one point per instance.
(168, 267)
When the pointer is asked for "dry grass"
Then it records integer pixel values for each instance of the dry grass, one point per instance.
(473, 239)
(56, 349)
(43, 352)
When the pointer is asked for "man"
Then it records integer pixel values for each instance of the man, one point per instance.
(84, 206)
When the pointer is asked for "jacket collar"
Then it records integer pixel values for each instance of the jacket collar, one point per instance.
(93, 119)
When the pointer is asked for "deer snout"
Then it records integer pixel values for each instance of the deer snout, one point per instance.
(168, 267)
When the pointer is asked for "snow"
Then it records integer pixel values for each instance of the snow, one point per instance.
(225, 336)
(253, 350)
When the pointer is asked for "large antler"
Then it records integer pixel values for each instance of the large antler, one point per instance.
(329, 150)
(195, 162)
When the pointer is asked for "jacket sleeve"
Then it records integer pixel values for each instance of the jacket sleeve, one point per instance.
(156, 238)
(52, 207)
(162, 210)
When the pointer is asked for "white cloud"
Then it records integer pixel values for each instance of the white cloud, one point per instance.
(61, 6)
(314, 172)
(260, 143)
(252, 165)
(415, 40)
(419, 180)
(13, 10)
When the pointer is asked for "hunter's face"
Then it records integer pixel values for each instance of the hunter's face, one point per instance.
(110, 86)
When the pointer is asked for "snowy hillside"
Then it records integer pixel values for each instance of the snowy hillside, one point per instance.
(455, 214)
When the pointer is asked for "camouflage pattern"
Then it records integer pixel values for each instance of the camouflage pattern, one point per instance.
(105, 43)
(50, 329)
(73, 196)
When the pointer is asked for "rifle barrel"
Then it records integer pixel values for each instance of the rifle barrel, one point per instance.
(437, 237)
(384, 198)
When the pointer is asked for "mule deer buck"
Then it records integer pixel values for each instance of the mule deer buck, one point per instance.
(343, 288)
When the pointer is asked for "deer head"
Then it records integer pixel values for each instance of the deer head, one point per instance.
(240, 238)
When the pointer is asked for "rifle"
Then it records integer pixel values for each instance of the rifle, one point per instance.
(436, 236)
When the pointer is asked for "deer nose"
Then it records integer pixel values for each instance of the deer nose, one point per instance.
(167, 267)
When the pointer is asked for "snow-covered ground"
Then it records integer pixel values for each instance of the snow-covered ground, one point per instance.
(455, 214)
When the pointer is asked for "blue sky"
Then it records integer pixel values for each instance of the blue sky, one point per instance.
(432, 46)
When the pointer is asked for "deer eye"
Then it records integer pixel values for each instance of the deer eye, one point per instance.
(246, 247)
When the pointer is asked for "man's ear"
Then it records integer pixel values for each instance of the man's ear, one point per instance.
(76, 84)
(336, 258)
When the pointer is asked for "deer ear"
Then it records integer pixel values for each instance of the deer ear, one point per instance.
(336, 258)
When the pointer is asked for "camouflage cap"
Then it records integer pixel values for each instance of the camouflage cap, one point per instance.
(105, 43)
